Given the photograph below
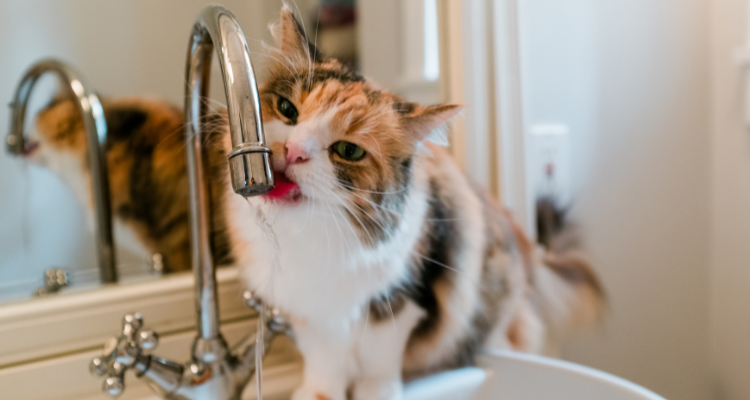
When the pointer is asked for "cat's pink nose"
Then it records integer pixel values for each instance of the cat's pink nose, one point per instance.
(295, 154)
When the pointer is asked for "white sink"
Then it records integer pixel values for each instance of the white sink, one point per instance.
(515, 376)
(503, 375)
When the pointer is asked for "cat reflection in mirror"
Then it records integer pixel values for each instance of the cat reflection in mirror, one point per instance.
(147, 171)
(388, 261)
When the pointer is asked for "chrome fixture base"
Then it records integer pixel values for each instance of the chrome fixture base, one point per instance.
(96, 136)
(213, 372)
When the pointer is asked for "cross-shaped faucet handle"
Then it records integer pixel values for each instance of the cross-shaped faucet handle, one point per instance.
(122, 353)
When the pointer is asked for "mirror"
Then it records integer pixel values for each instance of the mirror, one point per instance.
(137, 48)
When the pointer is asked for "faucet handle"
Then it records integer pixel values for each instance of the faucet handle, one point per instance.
(131, 324)
(274, 320)
(123, 352)
(148, 340)
(114, 385)
(252, 301)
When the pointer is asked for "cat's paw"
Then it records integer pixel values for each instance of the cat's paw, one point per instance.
(378, 389)
(310, 393)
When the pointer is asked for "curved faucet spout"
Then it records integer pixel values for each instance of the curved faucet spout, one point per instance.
(249, 160)
(96, 136)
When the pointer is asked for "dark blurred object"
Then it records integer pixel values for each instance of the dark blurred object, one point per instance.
(335, 13)
(553, 230)
(336, 30)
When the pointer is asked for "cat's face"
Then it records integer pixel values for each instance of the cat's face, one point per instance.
(57, 141)
(58, 132)
(338, 140)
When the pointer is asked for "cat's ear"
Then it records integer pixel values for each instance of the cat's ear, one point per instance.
(423, 121)
(290, 36)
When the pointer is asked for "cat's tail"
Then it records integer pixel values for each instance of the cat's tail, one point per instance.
(567, 290)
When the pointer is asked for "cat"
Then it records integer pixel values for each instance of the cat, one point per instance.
(388, 261)
(147, 170)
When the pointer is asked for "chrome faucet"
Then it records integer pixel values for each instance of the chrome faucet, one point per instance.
(213, 372)
(96, 136)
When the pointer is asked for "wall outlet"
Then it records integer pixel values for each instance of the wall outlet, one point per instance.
(548, 166)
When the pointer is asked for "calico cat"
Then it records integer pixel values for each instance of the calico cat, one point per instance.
(147, 170)
(386, 259)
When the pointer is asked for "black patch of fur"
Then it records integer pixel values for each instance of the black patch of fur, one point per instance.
(373, 96)
(342, 74)
(343, 173)
(122, 122)
(284, 83)
(403, 107)
(218, 171)
(550, 220)
(441, 241)
(141, 206)
(405, 175)
(387, 306)
(282, 86)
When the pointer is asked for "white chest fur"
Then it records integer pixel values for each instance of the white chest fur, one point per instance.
(320, 270)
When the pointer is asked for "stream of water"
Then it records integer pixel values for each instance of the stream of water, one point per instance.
(266, 225)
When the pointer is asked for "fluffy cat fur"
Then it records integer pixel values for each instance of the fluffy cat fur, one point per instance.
(389, 267)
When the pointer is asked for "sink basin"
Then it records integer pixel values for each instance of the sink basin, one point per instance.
(501, 375)
(508, 375)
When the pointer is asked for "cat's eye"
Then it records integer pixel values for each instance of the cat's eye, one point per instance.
(349, 151)
(288, 110)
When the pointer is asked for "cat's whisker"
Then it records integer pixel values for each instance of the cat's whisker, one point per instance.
(374, 219)
(393, 316)
(438, 263)
(315, 44)
(343, 200)
(350, 228)
(343, 184)
(367, 319)
(288, 65)
(341, 235)
(394, 213)
(307, 48)
(380, 152)
(376, 205)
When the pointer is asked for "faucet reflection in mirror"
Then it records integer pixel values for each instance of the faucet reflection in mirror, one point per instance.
(214, 372)
(96, 132)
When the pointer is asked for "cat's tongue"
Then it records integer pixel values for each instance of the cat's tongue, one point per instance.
(282, 188)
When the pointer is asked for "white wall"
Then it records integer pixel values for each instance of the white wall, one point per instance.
(631, 79)
(126, 48)
(730, 215)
